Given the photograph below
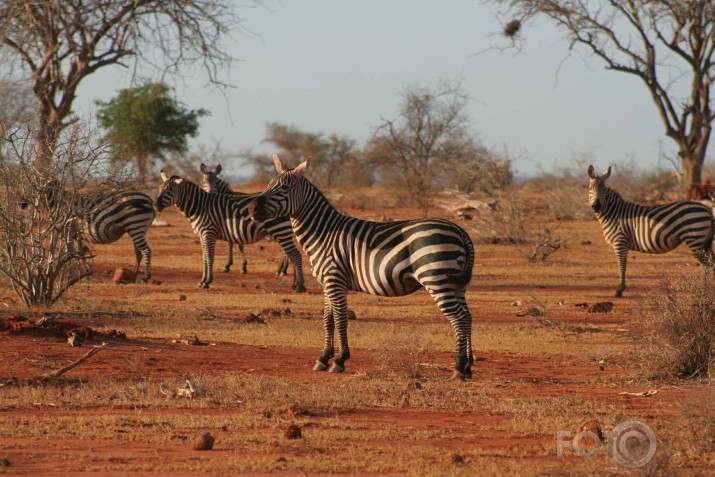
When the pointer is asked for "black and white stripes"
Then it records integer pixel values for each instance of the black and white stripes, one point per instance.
(380, 258)
(220, 217)
(105, 218)
(649, 229)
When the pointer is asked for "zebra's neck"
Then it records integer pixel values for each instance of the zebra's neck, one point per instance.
(223, 187)
(612, 204)
(316, 218)
(190, 199)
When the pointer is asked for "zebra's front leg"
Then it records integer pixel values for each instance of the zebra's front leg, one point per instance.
(339, 303)
(329, 327)
(227, 268)
(208, 244)
(622, 256)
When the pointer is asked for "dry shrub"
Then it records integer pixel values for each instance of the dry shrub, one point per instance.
(506, 224)
(683, 327)
(400, 351)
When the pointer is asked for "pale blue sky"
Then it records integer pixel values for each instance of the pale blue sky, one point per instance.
(340, 66)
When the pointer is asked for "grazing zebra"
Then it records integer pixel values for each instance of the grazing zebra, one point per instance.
(380, 258)
(212, 184)
(107, 217)
(220, 217)
(649, 229)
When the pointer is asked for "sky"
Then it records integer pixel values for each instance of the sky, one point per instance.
(341, 66)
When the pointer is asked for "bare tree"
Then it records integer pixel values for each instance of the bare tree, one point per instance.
(61, 42)
(668, 44)
(415, 148)
(41, 251)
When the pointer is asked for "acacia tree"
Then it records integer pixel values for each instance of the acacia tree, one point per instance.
(669, 45)
(61, 42)
(145, 122)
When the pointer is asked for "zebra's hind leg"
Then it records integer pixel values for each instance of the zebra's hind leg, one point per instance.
(146, 254)
(244, 263)
(229, 262)
(454, 307)
(283, 267)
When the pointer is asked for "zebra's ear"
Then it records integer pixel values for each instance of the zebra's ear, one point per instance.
(218, 169)
(164, 177)
(279, 164)
(302, 167)
(592, 172)
(203, 168)
(606, 174)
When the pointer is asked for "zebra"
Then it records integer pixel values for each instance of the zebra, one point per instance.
(105, 218)
(380, 258)
(211, 183)
(649, 229)
(220, 217)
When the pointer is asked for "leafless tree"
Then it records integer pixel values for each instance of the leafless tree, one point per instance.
(61, 42)
(416, 147)
(41, 251)
(668, 44)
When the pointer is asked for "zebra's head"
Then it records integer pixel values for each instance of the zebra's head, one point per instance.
(167, 191)
(209, 178)
(597, 190)
(284, 194)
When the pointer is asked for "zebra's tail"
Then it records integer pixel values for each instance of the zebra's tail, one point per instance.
(463, 278)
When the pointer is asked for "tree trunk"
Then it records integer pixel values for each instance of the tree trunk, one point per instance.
(48, 130)
(692, 166)
(142, 161)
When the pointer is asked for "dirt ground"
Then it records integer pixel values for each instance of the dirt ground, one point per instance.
(534, 377)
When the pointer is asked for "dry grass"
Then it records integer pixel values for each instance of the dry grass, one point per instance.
(393, 412)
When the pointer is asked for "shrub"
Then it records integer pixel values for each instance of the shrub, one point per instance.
(683, 327)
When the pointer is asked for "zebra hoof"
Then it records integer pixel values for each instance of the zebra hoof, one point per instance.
(460, 376)
(336, 368)
(281, 274)
(320, 366)
(299, 289)
(618, 294)
(226, 270)
(205, 286)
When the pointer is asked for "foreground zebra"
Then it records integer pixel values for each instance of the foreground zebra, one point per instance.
(380, 258)
(212, 184)
(222, 217)
(650, 229)
(107, 217)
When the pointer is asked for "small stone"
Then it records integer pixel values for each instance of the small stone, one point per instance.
(5, 463)
(351, 315)
(182, 297)
(601, 307)
(588, 436)
(123, 275)
(457, 459)
(205, 442)
(155, 282)
(293, 432)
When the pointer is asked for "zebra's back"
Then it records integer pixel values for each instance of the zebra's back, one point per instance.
(661, 228)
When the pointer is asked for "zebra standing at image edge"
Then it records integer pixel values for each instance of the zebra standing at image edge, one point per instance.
(381, 258)
(650, 228)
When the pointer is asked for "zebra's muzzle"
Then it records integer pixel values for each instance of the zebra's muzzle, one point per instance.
(596, 206)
